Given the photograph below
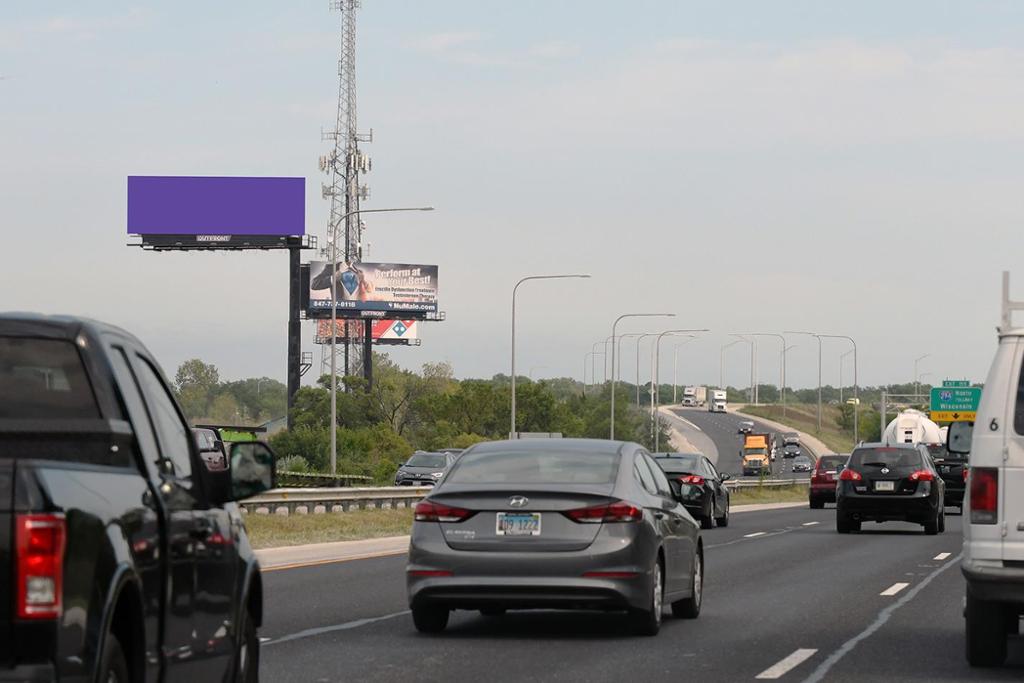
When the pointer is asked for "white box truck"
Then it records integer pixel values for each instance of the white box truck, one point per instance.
(716, 401)
(694, 396)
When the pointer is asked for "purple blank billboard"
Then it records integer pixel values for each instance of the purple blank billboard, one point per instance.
(199, 205)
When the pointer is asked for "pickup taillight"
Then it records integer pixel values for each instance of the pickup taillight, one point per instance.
(39, 557)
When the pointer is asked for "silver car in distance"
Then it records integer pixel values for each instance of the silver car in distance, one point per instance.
(554, 524)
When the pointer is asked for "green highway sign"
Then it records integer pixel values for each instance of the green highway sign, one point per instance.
(955, 402)
(956, 383)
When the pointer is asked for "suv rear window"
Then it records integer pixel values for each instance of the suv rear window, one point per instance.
(534, 467)
(887, 457)
(43, 379)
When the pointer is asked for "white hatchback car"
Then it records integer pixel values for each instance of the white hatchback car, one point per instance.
(993, 558)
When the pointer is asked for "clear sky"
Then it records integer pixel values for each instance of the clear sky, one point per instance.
(846, 167)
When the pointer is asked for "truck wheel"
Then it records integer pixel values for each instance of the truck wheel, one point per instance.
(113, 665)
(985, 632)
(247, 657)
(429, 618)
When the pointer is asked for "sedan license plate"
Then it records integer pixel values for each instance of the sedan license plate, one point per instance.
(518, 524)
(885, 486)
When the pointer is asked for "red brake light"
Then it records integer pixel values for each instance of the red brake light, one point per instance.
(430, 572)
(984, 495)
(921, 475)
(694, 479)
(619, 511)
(39, 549)
(850, 475)
(427, 511)
(965, 474)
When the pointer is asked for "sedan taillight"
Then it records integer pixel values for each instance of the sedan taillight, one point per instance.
(39, 549)
(850, 475)
(619, 511)
(428, 511)
(692, 479)
(984, 495)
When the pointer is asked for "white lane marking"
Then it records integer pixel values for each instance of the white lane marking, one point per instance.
(691, 424)
(894, 589)
(883, 616)
(786, 665)
(942, 556)
(310, 632)
(755, 534)
(811, 523)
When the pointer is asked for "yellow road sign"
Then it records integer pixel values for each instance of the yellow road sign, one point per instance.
(952, 416)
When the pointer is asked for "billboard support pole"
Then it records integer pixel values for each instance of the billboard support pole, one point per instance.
(294, 327)
(368, 354)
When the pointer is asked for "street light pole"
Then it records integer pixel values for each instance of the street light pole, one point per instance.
(785, 350)
(512, 433)
(782, 385)
(818, 337)
(841, 359)
(655, 379)
(917, 382)
(721, 363)
(611, 427)
(334, 321)
(675, 366)
(638, 340)
(856, 397)
(753, 354)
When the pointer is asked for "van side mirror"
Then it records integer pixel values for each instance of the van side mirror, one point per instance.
(253, 469)
(958, 438)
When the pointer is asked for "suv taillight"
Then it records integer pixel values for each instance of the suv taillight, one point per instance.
(619, 511)
(850, 475)
(39, 552)
(921, 475)
(427, 511)
(984, 495)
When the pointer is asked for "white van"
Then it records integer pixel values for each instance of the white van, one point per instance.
(993, 559)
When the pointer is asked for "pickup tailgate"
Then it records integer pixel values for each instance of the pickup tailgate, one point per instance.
(6, 557)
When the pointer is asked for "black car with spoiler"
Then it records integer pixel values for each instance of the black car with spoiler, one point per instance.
(121, 558)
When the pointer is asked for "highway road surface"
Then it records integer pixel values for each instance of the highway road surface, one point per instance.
(787, 598)
(717, 435)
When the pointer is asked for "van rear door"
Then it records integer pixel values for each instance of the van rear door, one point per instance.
(1011, 486)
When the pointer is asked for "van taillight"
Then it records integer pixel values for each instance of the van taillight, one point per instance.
(39, 552)
(984, 495)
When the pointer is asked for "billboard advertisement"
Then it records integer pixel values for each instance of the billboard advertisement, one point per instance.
(399, 332)
(373, 290)
(215, 209)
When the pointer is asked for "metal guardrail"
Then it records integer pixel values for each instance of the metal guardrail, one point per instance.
(301, 501)
(756, 483)
(310, 480)
(341, 499)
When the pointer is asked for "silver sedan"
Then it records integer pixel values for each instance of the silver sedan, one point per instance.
(554, 524)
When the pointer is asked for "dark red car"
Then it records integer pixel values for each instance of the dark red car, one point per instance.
(823, 479)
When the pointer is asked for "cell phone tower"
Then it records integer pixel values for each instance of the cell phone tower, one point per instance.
(344, 165)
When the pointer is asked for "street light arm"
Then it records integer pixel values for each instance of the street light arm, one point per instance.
(615, 325)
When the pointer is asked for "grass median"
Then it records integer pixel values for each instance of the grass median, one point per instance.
(273, 531)
(769, 494)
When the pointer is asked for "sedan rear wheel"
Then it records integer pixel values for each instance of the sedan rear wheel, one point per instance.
(689, 608)
(647, 622)
(931, 527)
(430, 618)
(723, 521)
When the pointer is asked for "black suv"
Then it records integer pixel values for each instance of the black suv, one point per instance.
(121, 555)
(890, 483)
(952, 468)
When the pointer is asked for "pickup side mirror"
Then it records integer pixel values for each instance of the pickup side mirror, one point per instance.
(958, 438)
(253, 469)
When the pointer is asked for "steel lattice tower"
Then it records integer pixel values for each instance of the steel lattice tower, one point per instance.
(344, 164)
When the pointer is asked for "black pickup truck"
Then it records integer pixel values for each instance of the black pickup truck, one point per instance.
(122, 557)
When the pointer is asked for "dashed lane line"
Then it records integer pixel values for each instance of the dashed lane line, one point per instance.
(894, 589)
(810, 523)
(755, 534)
(321, 630)
(846, 648)
(786, 665)
(942, 556)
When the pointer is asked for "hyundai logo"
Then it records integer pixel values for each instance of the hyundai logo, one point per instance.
(518, 501)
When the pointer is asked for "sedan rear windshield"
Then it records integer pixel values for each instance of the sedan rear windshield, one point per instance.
(678, 464)
(535, 467)
(427, 460)
(885, 457)
(43, 379)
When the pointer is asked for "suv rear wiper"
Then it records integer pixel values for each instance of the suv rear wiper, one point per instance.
(875, 464)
